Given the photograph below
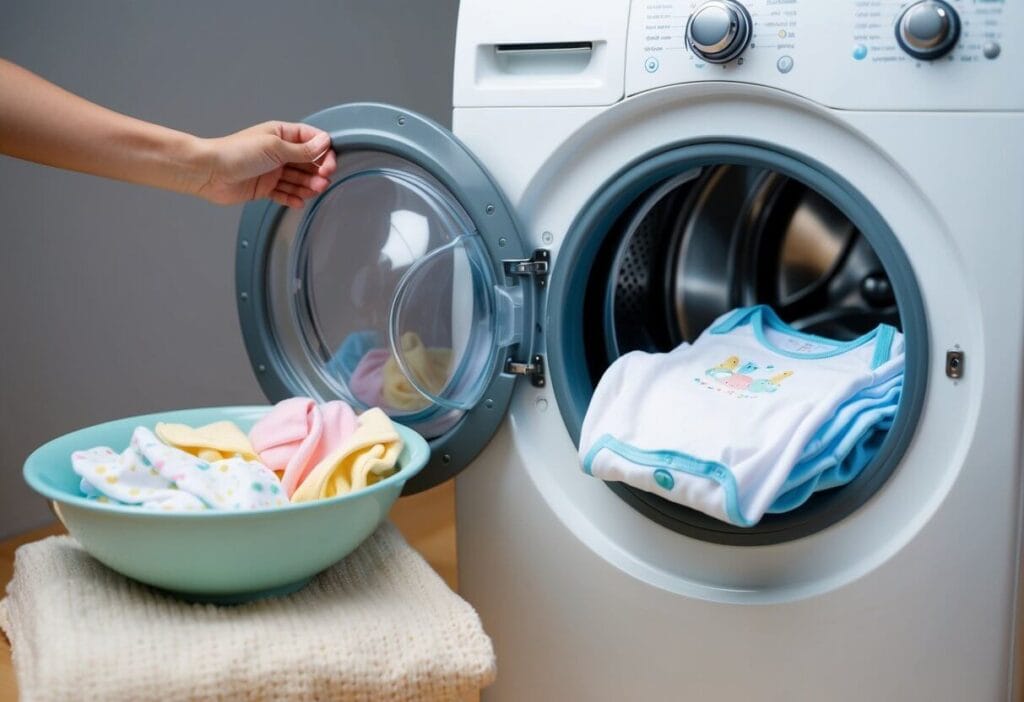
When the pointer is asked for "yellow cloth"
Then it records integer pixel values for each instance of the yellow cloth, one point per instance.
(213, 442)
(367, 456)
(429, 367)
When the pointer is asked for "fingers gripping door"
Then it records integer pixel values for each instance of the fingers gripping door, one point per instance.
(390, 289)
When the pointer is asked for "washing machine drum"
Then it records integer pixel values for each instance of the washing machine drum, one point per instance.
(703, 244)
(687, 235)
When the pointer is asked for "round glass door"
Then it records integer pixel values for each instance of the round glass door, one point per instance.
(382, 295)
(392, 289)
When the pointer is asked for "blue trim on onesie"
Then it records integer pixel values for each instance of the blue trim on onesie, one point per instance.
(674, 461)
(883, 346)
(760, 316)
(736, 318)
(837, 473)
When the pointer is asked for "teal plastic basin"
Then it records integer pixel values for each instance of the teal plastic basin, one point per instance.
(213, 556)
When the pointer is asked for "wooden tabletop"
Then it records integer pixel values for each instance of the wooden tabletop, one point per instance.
(427, 520)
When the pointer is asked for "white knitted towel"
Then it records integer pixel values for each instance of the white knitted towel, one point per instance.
(380, 625)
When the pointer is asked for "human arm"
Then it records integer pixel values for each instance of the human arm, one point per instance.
(42, 122)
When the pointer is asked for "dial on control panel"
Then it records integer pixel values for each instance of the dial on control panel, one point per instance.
(928, 29)
(718, 31)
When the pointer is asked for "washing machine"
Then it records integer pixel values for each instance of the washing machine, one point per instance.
(618, 175)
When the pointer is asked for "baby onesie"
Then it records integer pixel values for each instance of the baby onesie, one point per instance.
(876, 401)
(843, 447)
(719, 425)
(153, 475)
(838, 467)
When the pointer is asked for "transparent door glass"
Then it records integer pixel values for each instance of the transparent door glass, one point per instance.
(382, 295)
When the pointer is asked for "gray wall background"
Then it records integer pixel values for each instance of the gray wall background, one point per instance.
(115, 299)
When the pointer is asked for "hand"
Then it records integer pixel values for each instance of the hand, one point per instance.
(288, 163)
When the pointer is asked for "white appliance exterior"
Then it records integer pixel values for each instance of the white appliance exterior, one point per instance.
(914, 596)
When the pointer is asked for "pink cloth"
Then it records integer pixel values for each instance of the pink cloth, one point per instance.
(367, 385)
(367, 381)
(297, 433)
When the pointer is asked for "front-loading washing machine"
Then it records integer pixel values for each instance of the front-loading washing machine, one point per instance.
(618, 175)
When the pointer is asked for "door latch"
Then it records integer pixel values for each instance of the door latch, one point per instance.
(534, 370)
(955, 364)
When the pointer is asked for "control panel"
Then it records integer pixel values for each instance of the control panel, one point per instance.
(847, 54)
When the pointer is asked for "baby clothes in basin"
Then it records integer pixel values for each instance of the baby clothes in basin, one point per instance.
(153, 475)
(369, 454)
(298, 433)
(212, 442)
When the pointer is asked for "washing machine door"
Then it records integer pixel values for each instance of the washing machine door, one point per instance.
(404, 286)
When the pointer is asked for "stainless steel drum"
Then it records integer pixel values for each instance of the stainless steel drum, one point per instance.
(727, 236)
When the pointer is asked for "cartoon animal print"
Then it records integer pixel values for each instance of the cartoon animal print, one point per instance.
(740, 377)
(769, 384)
(738, 382)
(725, 368)
(741, 380)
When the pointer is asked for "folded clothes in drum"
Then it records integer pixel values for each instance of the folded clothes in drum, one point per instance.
(753, 417)
(843, 447)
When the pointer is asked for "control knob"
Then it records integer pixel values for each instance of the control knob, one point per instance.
(928, 29)
(718, 31)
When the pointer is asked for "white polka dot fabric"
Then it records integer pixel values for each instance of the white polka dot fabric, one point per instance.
(153, 475)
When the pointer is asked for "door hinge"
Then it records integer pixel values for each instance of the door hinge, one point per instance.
(536, 265)
(534, 370)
